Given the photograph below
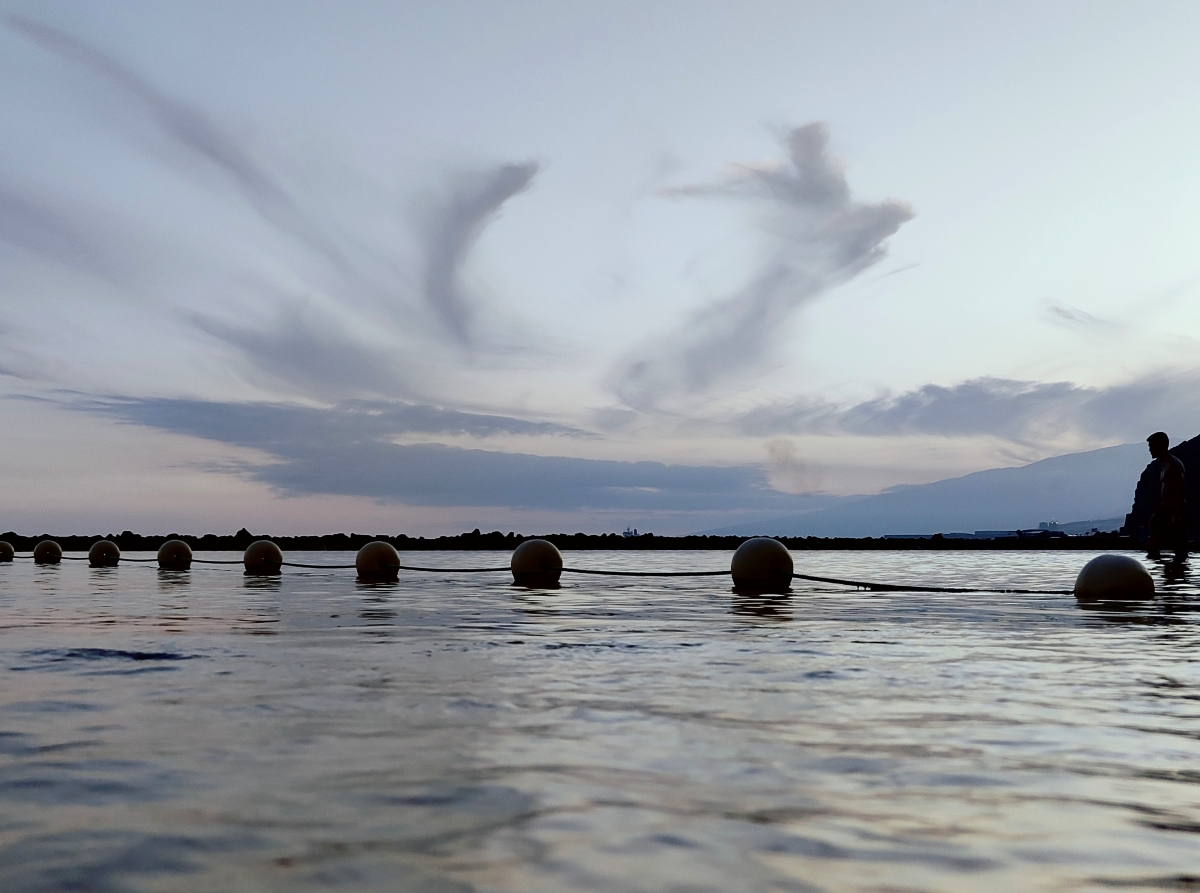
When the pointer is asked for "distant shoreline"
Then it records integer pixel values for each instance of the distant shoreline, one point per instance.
(480, 542)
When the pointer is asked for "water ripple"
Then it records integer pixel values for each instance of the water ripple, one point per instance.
(202, 731)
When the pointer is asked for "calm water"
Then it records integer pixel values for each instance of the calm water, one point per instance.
(206, 732)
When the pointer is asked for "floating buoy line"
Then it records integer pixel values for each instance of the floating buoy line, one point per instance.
(760, 565)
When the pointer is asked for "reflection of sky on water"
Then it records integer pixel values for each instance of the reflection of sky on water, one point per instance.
(613, 734)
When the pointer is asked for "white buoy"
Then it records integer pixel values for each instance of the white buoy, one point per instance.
(175, 555)
(536, 563)
(263, 558)
(1114, 578)
(7, 552)
(762, 564)
(47, 552)
(104, 554)
(377, 562)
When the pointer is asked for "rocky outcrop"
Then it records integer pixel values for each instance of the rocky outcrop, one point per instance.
(1146, 496)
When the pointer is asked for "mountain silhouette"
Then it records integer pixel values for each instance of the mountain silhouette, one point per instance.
(1093, 484)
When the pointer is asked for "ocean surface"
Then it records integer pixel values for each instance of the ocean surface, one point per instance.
(203, 731)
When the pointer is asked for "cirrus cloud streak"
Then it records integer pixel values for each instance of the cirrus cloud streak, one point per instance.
(819, 238)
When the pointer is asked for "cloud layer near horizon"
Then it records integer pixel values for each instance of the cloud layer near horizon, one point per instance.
(350, 450)
(1025, 412)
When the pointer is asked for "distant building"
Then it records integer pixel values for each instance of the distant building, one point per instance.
(1040, 533)
(1084, 528)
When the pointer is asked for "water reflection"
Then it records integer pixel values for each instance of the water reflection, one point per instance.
(105, 586)
(258, 619)
(262, 584)
(46, 577)
(376, 585)
(377, 612)
(530, 587)
(171, 580)
(1175, 572)
(771, 607)
(1141, 613)
(380, 611)
(173, 615)
(533, 603)
(104, 579)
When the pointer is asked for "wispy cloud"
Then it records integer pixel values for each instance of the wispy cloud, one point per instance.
(1064, 314)
(474, 201)
(820, 238)
(73, 240)
(308, 350)
(191, 129)
(333, 315)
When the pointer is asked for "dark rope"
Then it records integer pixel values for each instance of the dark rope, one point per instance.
(577, 570)
(452, 570)
(402, 567)
(897, 587)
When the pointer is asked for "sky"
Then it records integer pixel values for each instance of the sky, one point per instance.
(417, 267)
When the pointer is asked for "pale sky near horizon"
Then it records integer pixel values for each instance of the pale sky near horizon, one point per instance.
(426, 267)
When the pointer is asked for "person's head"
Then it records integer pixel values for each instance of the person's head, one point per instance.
(1159, 442)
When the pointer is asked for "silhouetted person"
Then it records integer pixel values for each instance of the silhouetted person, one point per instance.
(1169, 523)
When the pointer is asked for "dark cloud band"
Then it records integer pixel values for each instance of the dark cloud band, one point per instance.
(348, 450)
(1018, 411)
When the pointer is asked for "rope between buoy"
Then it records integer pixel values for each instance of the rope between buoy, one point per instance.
(401, 567)
(324, 567)
(899, 587)
(452, 570)
(579, 570)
